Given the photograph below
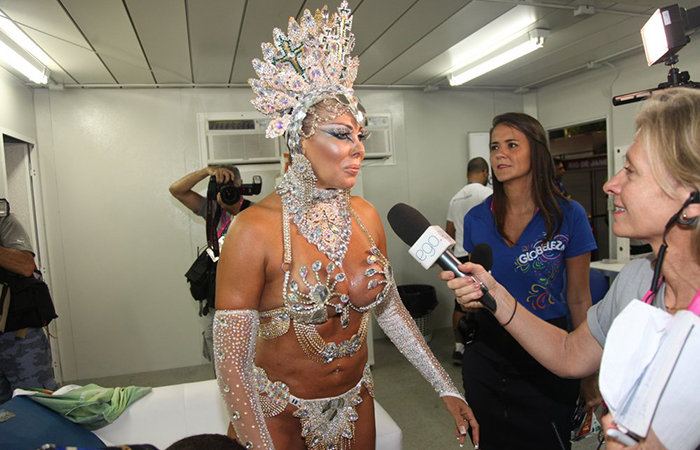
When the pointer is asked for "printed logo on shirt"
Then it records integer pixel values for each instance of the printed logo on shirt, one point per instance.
(544, 260)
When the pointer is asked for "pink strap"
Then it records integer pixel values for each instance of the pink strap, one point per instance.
(224, 225)
(694, 305)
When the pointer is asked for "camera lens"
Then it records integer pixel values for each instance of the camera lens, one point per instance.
(230, 194)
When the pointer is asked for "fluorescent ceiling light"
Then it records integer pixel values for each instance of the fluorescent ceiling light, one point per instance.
(20, 52)
(519, 47)
(13, 32)
(489, 38)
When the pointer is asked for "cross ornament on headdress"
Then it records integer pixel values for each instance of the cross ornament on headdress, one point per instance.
(291, 55)
(338, 39)
(309, 63)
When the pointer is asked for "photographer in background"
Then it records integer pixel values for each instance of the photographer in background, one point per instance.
(25, 354)
(225, 176)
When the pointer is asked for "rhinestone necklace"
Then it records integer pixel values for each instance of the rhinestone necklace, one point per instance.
(321, 215)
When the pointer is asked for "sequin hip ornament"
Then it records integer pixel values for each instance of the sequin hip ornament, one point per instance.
(326, 423)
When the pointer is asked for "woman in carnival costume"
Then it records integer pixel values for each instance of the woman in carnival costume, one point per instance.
(302, 270)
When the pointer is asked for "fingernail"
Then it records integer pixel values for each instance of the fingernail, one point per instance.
(462, 430)
(461, 445)
(476, 447)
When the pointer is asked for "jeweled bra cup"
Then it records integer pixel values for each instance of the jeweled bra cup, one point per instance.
(309, 308)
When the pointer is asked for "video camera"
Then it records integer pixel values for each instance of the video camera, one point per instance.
(230, 193)
(663, 36)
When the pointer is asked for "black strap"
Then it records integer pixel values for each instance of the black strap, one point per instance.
(213, 216)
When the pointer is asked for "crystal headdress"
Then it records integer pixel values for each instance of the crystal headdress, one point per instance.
(311, 63)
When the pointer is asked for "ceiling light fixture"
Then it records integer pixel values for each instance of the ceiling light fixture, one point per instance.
(517, 48)
(20, 52)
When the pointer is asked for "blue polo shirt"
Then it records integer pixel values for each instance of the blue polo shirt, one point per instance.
(533, 270)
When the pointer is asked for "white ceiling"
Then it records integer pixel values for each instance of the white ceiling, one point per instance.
(400, 42)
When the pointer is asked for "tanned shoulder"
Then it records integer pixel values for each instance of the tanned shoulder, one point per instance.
(370, 217)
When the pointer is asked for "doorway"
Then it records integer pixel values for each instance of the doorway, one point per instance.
(583, 150)
(20, 186)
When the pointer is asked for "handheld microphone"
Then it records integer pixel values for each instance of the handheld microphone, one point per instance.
(429, 246)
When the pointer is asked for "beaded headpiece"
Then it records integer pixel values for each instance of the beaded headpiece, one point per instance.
(310, 64)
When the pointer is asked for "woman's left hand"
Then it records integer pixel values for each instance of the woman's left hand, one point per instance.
(464, 419)
(650, 443)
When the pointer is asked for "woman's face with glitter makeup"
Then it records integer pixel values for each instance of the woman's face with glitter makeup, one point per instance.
(336, 151)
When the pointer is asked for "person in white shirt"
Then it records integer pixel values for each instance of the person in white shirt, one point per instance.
(469, 196)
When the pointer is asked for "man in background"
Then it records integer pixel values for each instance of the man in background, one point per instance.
(469, 196)
(25, 355)
(559, 172)
(182, 191)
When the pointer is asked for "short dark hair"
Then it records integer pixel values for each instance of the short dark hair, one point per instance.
(207, 442)
(476, 165)
(558, 160)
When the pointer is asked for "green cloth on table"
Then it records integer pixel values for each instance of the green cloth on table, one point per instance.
(92, 406)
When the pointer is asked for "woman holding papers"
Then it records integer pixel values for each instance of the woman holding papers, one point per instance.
(656, 199)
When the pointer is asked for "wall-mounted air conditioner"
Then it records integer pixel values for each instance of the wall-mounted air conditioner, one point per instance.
(237, 138)
(380, 144)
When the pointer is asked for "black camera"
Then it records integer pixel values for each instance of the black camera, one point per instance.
(230, 193)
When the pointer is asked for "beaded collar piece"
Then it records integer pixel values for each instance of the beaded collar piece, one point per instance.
(321, 215)
(309, 64)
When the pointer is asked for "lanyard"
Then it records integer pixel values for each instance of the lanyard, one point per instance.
(224, 225)
(694, 305)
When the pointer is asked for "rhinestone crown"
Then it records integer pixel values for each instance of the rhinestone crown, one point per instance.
(310, 63)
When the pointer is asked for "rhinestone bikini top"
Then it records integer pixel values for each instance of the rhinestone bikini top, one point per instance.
(306, 301)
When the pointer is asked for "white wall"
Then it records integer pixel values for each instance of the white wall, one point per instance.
(119, 244)
(16, 119)
(16, 107)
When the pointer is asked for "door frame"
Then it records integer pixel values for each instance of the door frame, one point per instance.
(36, 211)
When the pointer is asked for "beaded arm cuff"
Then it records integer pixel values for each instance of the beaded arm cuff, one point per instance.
(402, 330)
(235, 334)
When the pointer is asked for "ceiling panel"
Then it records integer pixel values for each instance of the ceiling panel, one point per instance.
(106, 24)
(400, 42)
(214, 26)
(428, 50)
(373, 18)
(414, 24)
(161, 26)
(260, 19)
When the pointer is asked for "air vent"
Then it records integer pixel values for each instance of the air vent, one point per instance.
(232, 124)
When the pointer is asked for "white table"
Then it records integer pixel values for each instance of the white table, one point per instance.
(610, 268)
(170, 413)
